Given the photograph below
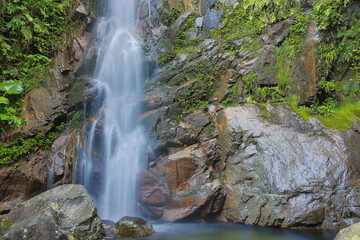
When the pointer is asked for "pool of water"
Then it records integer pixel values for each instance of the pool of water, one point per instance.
(227, 231)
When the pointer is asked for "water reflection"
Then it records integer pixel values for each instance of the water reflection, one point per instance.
(196, 231)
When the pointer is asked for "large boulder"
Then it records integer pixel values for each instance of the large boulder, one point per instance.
(286, 172)
(349, 233)
(65, 212)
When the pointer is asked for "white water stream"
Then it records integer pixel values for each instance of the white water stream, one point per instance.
(109, 158)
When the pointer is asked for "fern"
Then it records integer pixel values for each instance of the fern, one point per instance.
(26, 32)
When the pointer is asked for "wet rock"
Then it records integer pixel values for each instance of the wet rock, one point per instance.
(212, 20)
(197, 121)
(152, 194)
(175, 27)
(61, 163)
(133, 227)
(349, 233)
(143, 11)
(65, 212)
(205, 5)
(23, 180)
(199, 22)
(262, 66)
(204, 202)
(275, 34)
(191, 188)
(156, 98)
(42, 107)
(306, 75)
(283, 174)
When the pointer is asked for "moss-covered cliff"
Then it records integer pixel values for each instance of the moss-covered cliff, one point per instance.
(252, 106)
(251, 110)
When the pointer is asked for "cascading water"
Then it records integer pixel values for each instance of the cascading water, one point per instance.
(109, 158)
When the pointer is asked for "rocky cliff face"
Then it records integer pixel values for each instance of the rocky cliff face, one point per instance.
(225, 145)
(217, 157)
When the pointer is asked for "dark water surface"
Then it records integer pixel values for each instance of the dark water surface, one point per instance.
(226, 231)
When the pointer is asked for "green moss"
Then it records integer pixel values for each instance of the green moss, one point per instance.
(168, 18)
(11, 152)
(343, 116)
(209, 130)
(249, 18)
(194, 98)
(301, 111)
(263, 109)
(165, 58)
(250, 83)
(232, 96)
(182, 39)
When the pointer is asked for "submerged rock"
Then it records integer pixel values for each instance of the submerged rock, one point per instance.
(65, 212)
(132, 227)
(349, 233)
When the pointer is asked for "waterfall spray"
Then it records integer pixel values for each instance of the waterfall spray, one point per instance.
(109, 158)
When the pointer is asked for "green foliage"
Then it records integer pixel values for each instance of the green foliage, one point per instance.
(328, 12)
(182, 39)
(7, 113)
(326, 108)
(194, 98)
(293, 45)
(30, 34)
(9, 153)
(197, 96)
(281, 70)
(257, 93)
(341, 43)
(165, 58)
(168, 18)
(232, 96)
(75, 119)
(209, 130)
(250, 17)
(343, 116)
(250, 83)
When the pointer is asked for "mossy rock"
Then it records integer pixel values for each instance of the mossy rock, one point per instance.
(350, 233)
(133, 227)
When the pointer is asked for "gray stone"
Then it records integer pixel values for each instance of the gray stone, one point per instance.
(133, 227)
(81, 10)
(349, 233)
(199, 22)
(212, 20)
(42, 107)
(282, 174)
(65, 212)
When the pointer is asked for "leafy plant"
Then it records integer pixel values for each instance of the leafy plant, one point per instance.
(168, 18)
(8, 113)
(182, 39)
(232, 95)
(30, 35)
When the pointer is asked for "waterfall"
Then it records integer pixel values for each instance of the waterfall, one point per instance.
(109, 158)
